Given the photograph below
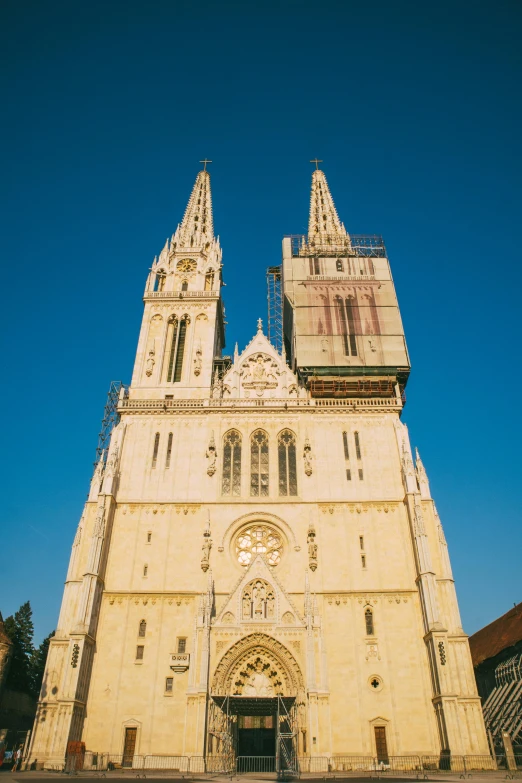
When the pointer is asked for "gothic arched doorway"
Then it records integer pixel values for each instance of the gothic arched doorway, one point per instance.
(256, 688)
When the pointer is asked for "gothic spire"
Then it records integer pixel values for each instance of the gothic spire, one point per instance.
(324, 226)
(197, 226)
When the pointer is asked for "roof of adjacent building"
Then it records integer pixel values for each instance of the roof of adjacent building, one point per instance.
(503, 632)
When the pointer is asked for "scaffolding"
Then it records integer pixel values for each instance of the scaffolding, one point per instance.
(222, 738)
(110, 419)
(365, 245)
(275, 306)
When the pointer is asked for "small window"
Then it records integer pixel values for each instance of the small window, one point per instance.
(339, 265)
(184, 286)
(361, 542)
(360, 474)
(348, 474)
(149, 537)
(368, 619)
(169, 451)
(159, 282)
(345, 444)
(155, 451)
(357, 445)
(169, 682)
(182, 645)
(317, 266)
(145, 570)
(142, 628)
(363, 561)
(140, 650)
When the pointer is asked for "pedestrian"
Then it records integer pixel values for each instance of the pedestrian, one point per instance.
(17, 760)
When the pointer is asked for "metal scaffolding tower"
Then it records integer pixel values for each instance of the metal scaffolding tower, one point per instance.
(275, 306)
(110, 419)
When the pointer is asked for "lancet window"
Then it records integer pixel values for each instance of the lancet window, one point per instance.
(259, 464)
(176, 336)
(347, 318)
(142, 628)
(368, 618)
(209, 280)
(258, 601)
(155, 449)
(169, 451)
(287, 463)
(231, 483)
(159, 282)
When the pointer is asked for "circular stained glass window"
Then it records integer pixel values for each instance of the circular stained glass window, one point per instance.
(258, 539)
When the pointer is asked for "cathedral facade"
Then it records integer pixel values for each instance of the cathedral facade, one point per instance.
(259, 548)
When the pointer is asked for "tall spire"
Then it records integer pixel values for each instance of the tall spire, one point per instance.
(197, 226)
(324, 226)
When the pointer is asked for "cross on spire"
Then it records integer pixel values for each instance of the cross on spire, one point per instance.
(205, 163)
(317, 162)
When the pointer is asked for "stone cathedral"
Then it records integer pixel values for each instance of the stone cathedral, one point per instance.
(259, 540)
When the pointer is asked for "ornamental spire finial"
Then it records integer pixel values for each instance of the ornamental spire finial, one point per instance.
(324, 226)
(197, 226)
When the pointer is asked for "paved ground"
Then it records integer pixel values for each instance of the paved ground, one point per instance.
(44, 777)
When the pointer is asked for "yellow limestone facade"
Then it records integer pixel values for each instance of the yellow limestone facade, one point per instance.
(259, 528)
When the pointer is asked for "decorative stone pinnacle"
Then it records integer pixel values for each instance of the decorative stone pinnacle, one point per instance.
(197, 226)
(324, 226)
(259, 324)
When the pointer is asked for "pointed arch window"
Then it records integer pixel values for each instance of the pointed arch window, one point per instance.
(176, 337)
(169, 450)
(259, 464)
(142, 628)
(184, 286)
(209, 280)
(368, 619)
(287, 463)
(352, 313)
(342, 328)
(159, 282)
(231, 482)
(155, 450)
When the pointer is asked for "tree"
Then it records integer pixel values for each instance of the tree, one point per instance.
(19, 627)
(37, 664)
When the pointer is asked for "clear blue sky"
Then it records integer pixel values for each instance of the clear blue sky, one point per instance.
(107, 109)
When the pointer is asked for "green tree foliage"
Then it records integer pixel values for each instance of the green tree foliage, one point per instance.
(19, 627)
(38, 661)
(27, 663)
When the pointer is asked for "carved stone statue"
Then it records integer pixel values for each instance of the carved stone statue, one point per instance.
(149, 364)
(259, 372)
(312, 548)
(308, 457)
(198, 361)
(211, 455)
(258, 601)
(258, 684)
(206, 547)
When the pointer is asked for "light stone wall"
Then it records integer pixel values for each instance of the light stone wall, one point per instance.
(373, 544)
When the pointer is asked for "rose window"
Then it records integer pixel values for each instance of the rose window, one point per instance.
(259, 539)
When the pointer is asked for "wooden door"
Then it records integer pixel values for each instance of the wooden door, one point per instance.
(129, 746)
(381, 745)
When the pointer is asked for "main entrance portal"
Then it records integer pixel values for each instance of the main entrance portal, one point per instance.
(253, 734)
(256, 735)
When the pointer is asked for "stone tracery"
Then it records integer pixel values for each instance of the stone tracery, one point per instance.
(258, 601)
(258, 665)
